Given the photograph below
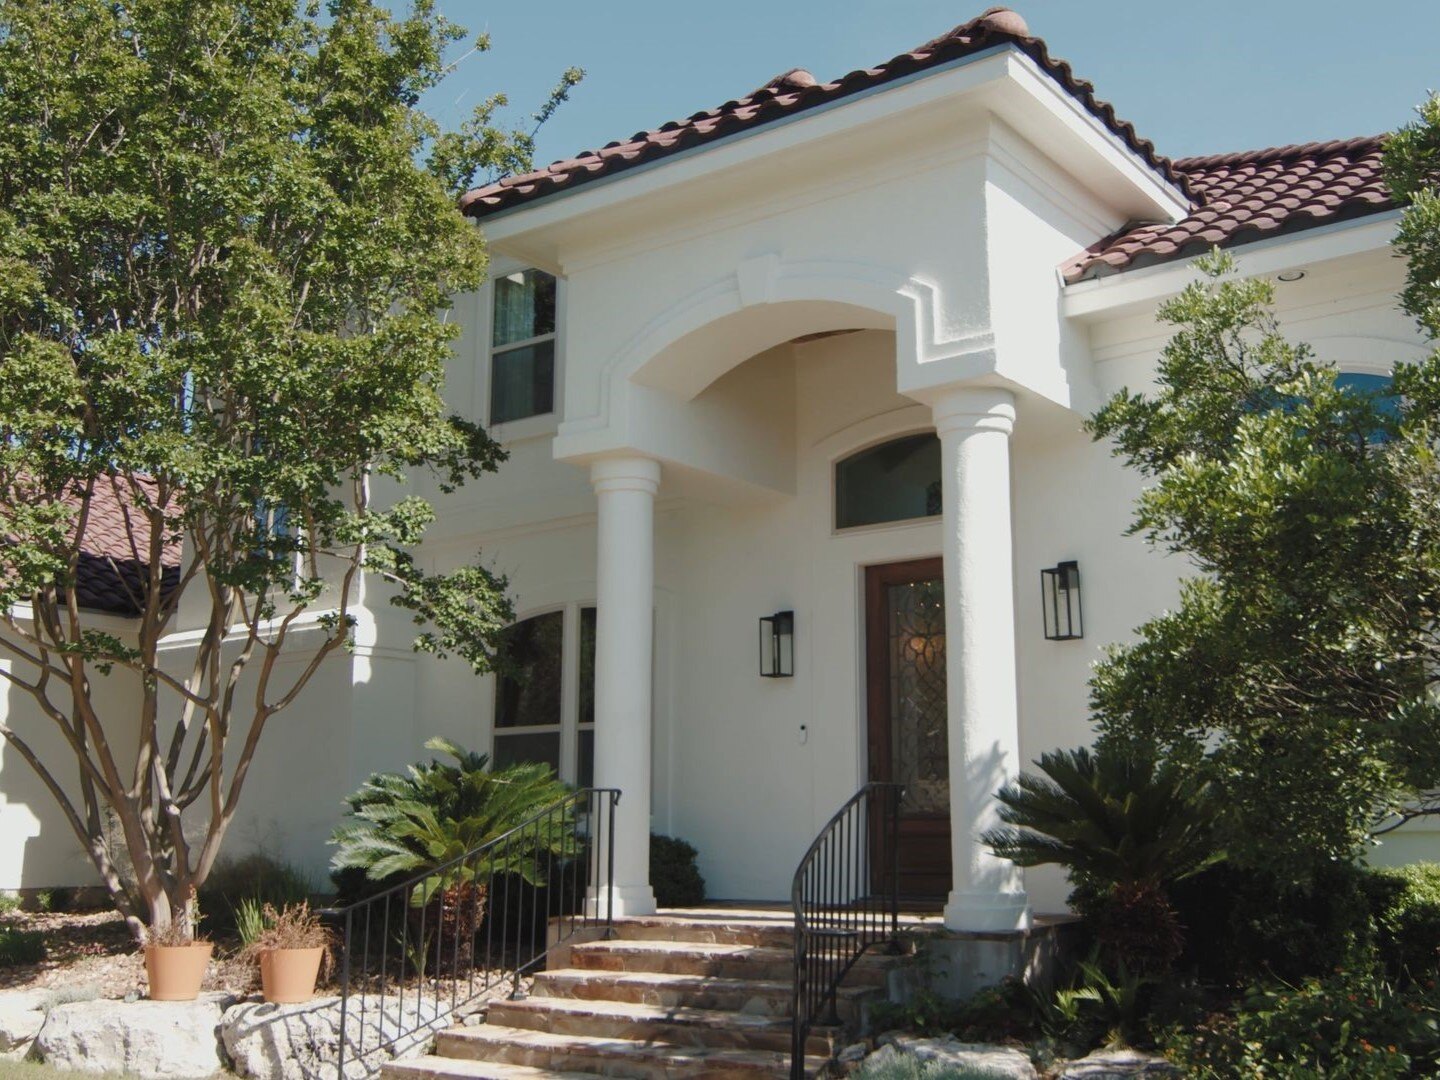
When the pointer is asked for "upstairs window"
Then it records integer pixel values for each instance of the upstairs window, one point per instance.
(895, 481)
(522, 346)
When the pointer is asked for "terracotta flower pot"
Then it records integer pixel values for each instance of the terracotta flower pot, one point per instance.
(288, 976)
(175, 972)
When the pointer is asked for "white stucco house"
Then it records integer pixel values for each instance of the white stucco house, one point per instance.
(825, 350)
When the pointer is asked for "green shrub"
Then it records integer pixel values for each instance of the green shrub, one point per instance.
(9, 903)
(249, 920)
(1406, 909)
(1006, 1012)
(1359, 1028)
(20, 947)
(406, 824)
(256, 878)
(59, 899)
(1242, 925)
(673, 873)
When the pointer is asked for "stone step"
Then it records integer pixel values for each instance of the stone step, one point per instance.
(758, 997)
(771, 933)
(434, 1067)
(717, 960)
(678, 1025)
(493, 1044)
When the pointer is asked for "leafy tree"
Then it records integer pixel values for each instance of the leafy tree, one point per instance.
(1298, 672)
(228, 239)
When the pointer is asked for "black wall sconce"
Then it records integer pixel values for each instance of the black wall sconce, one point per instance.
(777, 645)
(1060, 599)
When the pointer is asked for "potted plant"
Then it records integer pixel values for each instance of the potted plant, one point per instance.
(176, 960)
(291, 946)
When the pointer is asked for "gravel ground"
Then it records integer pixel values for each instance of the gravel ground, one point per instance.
(93, 955)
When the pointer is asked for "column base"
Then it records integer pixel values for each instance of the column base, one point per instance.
(987, 912)
(627, 900)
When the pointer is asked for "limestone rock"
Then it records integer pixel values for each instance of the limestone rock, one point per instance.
(302, 1042)
(164, 1040)
(978, 1059)
(21, 1015)
(1118, 1065)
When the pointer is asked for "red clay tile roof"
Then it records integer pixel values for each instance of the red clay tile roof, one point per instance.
(110, 575)
(1248, 196)
(796, 91)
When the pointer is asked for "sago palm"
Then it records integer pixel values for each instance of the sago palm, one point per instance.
(1125, 827)
(435, 813)
(1109, 818)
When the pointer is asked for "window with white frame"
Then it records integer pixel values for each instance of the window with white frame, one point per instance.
(522, 346)
(545, 708)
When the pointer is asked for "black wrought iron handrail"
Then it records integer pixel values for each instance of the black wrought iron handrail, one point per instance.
(846, 899)
(415, 953)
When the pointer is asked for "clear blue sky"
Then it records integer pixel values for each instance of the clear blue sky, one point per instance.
(1194, 77)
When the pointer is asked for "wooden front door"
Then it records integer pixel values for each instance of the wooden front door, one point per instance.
(905, 679)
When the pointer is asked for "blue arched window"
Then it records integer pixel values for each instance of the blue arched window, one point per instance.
(1370, 384)
(895, 481)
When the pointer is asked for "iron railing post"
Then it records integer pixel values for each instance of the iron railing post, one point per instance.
(344, 997)
(610, 867)
(895, 794)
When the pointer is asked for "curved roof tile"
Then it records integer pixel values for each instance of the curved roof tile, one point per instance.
(1248, 196)
(794, 92)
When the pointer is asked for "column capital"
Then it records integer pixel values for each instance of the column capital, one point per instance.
(973, 408)
(632, 473)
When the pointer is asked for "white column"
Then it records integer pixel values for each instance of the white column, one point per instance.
(624, 644)
(974, 426)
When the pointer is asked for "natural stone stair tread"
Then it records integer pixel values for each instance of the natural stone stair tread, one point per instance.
(665, 980)
(676, 1025)
(709, 948)
(441, 1068)
(630, 1010)
(610, 1049)
(748, 931)
(635, 954)
(716, 918)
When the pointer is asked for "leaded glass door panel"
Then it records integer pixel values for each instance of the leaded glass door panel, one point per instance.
(905, 669)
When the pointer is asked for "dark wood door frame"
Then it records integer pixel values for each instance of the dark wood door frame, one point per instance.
(924, 840)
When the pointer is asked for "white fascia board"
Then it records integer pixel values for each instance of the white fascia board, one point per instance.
(1158, 197)
(1001, 69)
(1114, 293)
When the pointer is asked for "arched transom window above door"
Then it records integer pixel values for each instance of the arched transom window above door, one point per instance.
(894, 481)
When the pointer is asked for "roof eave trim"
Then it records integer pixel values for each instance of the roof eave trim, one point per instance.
(1004, 48)
(738, 137)
(1096, 296)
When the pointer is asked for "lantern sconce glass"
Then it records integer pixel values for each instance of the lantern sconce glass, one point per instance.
(1060, 599)
(777, 645)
